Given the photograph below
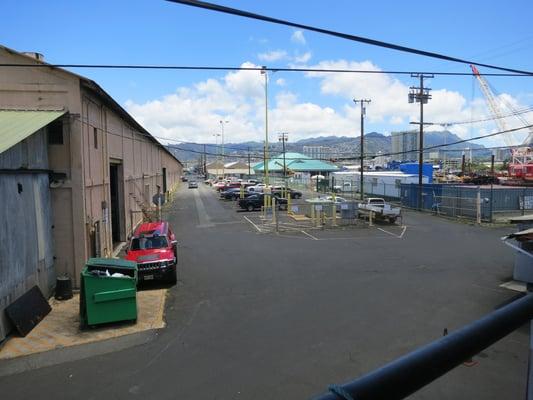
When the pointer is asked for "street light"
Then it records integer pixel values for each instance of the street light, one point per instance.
(216, 135)
(264, 72)
(222, 122)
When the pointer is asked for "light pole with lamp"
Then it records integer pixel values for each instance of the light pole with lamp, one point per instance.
(264, 72)
(216, 135)
(222, 122)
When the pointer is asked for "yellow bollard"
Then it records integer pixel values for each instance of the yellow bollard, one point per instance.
(334, 211)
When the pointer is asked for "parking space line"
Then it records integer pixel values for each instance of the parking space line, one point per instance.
(394, 234)
(255, 226)
(308, 234)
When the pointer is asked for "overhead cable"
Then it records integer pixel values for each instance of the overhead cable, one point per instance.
(354, 38)
(272, 69)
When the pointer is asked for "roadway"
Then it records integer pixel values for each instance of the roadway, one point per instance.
(262, 316)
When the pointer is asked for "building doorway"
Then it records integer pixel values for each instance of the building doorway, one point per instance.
(164, 180)
(116, 188)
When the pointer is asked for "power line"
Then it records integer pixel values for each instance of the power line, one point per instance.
(458, 141)
(525, 110)
(272, 69)
(216, 146)
(354, 38)
(367, 155)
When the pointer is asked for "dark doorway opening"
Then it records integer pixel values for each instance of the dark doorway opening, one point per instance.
(116, 191)
(164, 180)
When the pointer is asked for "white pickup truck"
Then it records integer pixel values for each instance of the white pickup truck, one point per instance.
(380, 208)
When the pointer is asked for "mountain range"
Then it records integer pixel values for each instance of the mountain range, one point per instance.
(339, 147)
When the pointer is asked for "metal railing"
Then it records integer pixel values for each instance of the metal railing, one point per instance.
(409, 373)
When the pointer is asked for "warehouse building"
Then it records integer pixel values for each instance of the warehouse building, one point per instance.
(76, 173)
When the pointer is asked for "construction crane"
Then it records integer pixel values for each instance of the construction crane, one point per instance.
(521, 165)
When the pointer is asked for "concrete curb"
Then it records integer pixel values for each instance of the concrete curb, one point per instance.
(74, 353)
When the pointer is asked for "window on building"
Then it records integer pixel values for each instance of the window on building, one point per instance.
(55, 132)
(95, 136)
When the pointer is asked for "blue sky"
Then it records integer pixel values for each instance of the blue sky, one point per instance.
(188, 105)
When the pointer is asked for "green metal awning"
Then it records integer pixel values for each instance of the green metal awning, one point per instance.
(16, 125)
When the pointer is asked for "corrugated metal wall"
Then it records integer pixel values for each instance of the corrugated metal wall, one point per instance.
(26, 250)
(461, 200)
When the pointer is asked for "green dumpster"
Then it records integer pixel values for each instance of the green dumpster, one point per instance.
(108, 291)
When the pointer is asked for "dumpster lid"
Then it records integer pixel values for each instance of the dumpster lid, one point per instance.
(522, 218)
(112, 262)
(521, 236)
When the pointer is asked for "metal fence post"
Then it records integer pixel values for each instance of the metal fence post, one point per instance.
(478, 206)
(523, 201)
(491, 201)
(334, 211)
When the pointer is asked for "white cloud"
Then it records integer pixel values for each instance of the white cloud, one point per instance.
(244, 83)
(274, 55)
(192, 113)
(307, 119)
(298, 37)
(301, 59)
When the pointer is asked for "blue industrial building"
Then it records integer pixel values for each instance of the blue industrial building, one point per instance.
(412, 168)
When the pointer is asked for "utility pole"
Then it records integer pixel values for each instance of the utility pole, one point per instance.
(283, 137)
(363, 110)
(205, 164)
(420, 95)
(248, 162)
(264, 72)
(216, 135)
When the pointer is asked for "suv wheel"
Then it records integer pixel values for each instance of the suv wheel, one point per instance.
(173, 277)
(250, 207)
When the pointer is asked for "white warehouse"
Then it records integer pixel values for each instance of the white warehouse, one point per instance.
(379, 183)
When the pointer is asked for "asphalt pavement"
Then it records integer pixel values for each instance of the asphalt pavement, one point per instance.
(265, 316)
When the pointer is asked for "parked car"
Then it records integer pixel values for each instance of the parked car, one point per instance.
(227, 186)
(345, 187)
(381, 209)
(193, 185)
(256, 201)
(219, 184)
(230, 194)
(154, 248)
(295, 194)
(338, 201)
(257, 188)
(184, 179)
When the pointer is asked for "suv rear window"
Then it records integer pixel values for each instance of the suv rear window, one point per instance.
(149, 242)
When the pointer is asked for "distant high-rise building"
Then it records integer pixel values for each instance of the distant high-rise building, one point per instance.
(405, 144)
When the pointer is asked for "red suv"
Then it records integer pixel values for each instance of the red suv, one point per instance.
(154, 248)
